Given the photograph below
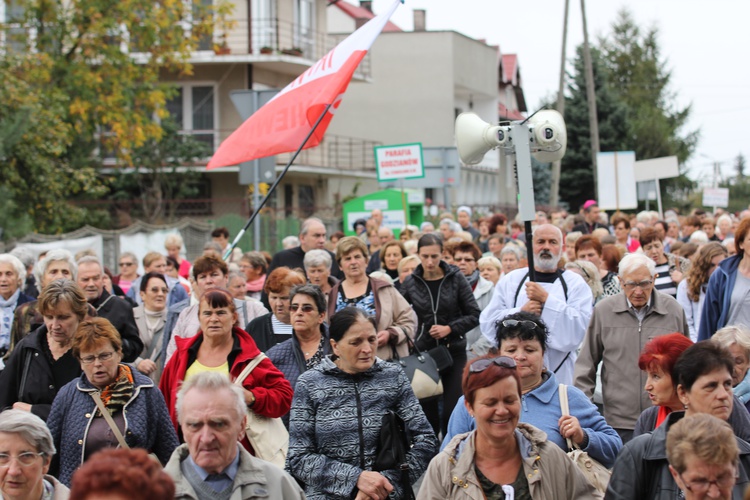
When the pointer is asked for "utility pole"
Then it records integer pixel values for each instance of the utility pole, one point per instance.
(554, 197)
(590, 97)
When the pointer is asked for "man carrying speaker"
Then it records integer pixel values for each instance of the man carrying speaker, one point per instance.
(561, 298)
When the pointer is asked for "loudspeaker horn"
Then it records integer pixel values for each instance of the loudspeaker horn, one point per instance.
(474, 137)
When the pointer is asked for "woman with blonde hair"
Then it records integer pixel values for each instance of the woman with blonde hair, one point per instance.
(691, 292)
(590, 274)
(736, 338)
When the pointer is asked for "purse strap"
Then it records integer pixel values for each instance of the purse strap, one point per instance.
(249, 368)
(562, 393)
(110, 421)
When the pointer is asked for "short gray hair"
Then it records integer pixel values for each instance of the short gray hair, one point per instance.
(733, 334)
(25, 255)
(30, 428)
(455, 226)
(290, 242)
(514, 249)
(173, 240)
(317, 257)
(633, 261)
(211, 382)
(57, 255)
(90, 259)
(14, 261)
(307, 223)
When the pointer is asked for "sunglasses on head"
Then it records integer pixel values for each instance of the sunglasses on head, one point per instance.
(481, 365)
(512, 323)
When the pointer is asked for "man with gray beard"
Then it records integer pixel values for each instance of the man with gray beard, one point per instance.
(561, 298)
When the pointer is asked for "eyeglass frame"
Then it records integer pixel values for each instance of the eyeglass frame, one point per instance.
(632, 285)
(691, 488)
(306, 308)
(513, 323)
(484, 363)
(103, 357)
(18, 459)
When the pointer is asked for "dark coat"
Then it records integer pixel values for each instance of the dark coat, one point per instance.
(120, 314)
(39, 388)
(261, 330)
(456, 308)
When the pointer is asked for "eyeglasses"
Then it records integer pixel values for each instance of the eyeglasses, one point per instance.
(463, 259)
(126, 264)
(24, 459)
(583, 270)
(632, 285)
(481, 365)
(512, 323)
(702, 485)
(306, 308)
(105, 356)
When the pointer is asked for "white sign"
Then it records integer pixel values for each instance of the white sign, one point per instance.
(657, 168)
(402, 161)
(375, 204)
(393, 219)
(716, 197)
(616, 180)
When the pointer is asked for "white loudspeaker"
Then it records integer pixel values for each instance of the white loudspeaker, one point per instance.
(549, 138)
(474, 137)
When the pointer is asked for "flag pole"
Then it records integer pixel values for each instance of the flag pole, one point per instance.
(257, 209)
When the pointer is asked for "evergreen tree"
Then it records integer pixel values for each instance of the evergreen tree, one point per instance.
(739, 167)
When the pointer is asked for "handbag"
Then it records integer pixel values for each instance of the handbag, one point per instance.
(596, 474)
(422, 371)
(268, 436)
(393, 445)
(115, 430)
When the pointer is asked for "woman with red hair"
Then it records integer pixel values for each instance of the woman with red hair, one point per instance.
(658, 359)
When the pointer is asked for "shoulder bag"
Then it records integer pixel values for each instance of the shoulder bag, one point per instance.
(268, 436)
(113, 426)
(421, 370)
(394, 443)
(597, 474)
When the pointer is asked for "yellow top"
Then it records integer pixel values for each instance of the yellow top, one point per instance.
(197, 367)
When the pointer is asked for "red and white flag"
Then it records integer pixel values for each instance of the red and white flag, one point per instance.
(283, 123)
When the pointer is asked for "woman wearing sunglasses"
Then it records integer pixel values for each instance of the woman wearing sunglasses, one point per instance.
(523, 337)
(501, 457)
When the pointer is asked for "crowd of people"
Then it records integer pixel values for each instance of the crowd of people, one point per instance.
(626, 337)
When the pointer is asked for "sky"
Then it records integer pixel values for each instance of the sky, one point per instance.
(703, 44)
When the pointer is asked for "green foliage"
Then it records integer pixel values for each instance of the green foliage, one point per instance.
(739, 167)
(542, 174)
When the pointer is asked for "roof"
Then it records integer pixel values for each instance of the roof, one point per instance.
(510, 115)
(357, 12)
(509, 65)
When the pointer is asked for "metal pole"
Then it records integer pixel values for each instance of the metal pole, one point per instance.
(554, 195)
(275, 183)
(256, 186)
(590, 98)
(446, 198)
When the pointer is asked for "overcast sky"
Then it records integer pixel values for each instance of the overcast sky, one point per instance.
(705, 45)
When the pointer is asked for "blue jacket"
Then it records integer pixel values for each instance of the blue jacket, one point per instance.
(718, 297)
(147, 422)
(335, 423)
(541, 408)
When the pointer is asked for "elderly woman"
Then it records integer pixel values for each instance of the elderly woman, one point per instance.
(657, 359)
(670, 269)
(43, 362)
(237, 284)
(276, 326)
(446, 310)
(128, 263)
(703, 457)
(150, 318)
(588, 248)
(704, 385)
(317, 264)
(510, 258)
(691, 292)
(501, 457)
(736, 338)
(523, 337)
(336, 418)
(390, 255)
(26, 451)
(12, 278)
(173, 244)
(590, 274)
(393, 316)
(132, 400)
(255, 266)
(222, 346)
(406, 266)
(727, 299)
(490, 269)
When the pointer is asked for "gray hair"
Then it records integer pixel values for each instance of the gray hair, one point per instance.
(727, 241)
(57, 255)
(307, 223)
(557, 229)
(90, 259)
(454, 226)
(698, 237)
(14, 261)
(590, 276)
(514, 249)
(236, 274)
(25, 255)
(733, 334)
(643, 216)
(173, 240)
(256, 259)
(317, 257)
(212, 245)
(490, 260)
(30, 428)
(131, 256)
(211, 382)
(290, 242)
(633, 261)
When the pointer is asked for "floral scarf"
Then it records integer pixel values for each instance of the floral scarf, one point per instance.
(116, 395)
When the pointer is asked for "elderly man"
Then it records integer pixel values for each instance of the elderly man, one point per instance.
(312, 234)
(590, 218)
(561, 298)
(448, 229)
(212, 464)
(620, 326)
(116, 310)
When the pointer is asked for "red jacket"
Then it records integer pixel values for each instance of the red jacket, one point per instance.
(273, 393)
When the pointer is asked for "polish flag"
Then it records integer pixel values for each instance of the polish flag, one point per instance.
(283, 123)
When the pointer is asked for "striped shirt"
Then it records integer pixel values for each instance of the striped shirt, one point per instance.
(664, 282)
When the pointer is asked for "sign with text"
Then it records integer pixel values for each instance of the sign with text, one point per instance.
(401, 161)
(716, 197)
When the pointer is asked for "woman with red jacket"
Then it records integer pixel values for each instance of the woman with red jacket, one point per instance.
(221, 346)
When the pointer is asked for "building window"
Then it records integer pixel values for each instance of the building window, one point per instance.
(288, 200)
(306, 201)
(194, 109)
(264, 24)
(304, 26)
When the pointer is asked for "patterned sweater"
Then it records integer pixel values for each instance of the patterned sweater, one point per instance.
(335, 424)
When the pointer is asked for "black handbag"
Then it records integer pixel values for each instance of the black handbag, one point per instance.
(393, 445)
(422, 371)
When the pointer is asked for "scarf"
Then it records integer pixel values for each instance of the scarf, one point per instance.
(473, 279)
(256, 285)
(116, 395)
(6, 312)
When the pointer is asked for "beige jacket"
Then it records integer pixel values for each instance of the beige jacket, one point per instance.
(392, 313)
(550, 473)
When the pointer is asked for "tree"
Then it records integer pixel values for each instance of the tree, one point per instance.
(739, 167)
